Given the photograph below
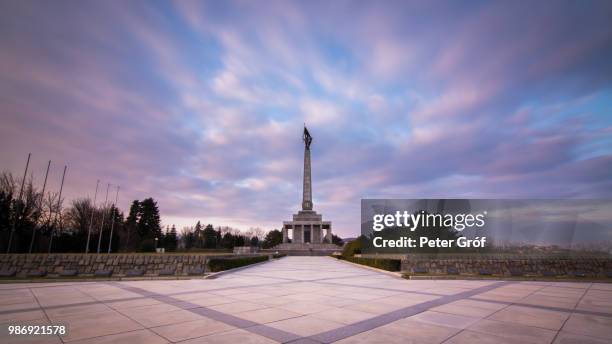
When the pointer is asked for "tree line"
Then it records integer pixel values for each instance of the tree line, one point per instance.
(40, 223)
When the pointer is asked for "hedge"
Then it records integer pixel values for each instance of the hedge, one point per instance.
(384, 264)
(220, 264)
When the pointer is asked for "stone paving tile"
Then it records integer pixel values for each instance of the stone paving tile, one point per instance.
(589, 325)
(343, 315)
(164, 318)
(472, 308)
(32, 340)
(372, 337)
(191, 329)
(274, 301)
(149, 310)
(231, 337)
(305, 307)
(20, 317)
(405, 300)
(377, 307)
(79, 310)
(602, 286)
(444, 319)
(471, 337)
(81, 327)
(237, 307)
(306, 325)
(403, 331)
(596, 301)
(28, 305)
(529, 316)
(522, 333)
(267, 315)
(550, 301)
(138, 302)
(132, 337)
(334, 300)
(572, 338)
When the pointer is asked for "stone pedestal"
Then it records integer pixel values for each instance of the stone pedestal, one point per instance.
(308, 227)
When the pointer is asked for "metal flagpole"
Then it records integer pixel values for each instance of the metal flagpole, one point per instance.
(110, 241)
(10, 242)
(103, 215)
(59, 210)
(42, 198)
(93, 210)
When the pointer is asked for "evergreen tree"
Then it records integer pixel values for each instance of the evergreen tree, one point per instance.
(273, 238)
(210, 237)
(218, 238)
(198, 236)
(239, 240)
(337, 240)
(149, 222)
(131, 227)
(171, 240)
(188, 238)
(228, 241)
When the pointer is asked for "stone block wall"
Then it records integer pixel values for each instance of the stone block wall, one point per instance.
(591, 267)
(119, 264)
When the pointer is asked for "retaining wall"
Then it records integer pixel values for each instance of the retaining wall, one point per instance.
(119, 264)
(587, 267)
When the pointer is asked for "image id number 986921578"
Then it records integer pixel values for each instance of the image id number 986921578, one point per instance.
(36, 330)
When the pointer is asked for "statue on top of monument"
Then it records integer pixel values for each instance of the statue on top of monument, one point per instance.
(307, 137)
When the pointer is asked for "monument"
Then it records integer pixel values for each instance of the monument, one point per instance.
(310, 233)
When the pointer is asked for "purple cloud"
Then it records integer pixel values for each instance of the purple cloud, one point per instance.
(200, 104)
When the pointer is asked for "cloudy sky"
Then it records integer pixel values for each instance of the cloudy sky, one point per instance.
(201, 104)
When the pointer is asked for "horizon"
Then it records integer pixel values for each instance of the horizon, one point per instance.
(200, 105)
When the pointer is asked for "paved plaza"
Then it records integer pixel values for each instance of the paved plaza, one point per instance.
(312, 300)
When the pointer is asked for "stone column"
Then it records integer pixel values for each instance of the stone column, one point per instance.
(307, 191)
(297, 233)
(285, 235)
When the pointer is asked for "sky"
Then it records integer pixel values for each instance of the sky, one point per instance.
(201, 105)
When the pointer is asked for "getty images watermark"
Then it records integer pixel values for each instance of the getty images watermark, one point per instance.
(422, 219)
(486, 226)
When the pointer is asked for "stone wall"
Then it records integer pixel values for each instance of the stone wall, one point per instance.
(587, 267)
(119, 264)
(245, 250)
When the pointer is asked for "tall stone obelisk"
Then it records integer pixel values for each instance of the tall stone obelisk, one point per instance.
(307, 187)
(310, 232)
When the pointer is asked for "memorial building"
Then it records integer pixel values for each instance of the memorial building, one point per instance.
(310, 232)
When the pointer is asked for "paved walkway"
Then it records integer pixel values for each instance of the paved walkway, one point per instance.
(311, 300)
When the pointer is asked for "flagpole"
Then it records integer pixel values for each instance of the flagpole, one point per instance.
(10, 242)
(59, 210)
(103, 216)
(110, 241)
(42, 198)
(93, 210)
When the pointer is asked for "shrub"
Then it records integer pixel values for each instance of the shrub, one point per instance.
(383, 264)
(220, 264)
(353, 247)
(147, 245)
